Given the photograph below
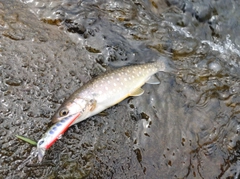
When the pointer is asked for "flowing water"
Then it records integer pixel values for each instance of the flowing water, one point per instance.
(186, 127)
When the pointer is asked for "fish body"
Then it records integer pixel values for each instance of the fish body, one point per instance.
(110, 88)
(54, 133)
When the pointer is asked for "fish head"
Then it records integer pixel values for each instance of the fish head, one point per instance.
(70, 107)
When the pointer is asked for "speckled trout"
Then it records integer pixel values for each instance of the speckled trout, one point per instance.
(110, 88)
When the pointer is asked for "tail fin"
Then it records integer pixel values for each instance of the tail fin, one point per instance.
(166, 65)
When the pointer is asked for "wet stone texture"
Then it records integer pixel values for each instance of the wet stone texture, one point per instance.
(186, 127)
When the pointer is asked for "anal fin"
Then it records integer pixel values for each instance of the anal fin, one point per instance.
(153, 80)
(137, 92)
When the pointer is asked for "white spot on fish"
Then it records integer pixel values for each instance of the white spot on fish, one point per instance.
(114, 84)
(125, 79)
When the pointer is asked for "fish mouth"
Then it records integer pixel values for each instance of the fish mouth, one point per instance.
(41, 152)
(55, 120)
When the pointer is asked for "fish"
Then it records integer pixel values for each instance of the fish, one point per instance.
(54, 133)
(111, 88)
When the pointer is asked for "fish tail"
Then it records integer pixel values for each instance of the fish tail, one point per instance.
(166, 65)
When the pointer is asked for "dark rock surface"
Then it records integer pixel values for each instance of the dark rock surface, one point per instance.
(186, 127)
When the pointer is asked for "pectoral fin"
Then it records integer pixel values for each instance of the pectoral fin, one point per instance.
(93, 104)
(137, 92)
(103, 113)
(153, 80)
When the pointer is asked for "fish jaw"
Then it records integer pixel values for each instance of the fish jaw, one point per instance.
(53, 134)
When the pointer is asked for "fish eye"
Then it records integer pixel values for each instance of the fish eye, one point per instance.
(63, 112)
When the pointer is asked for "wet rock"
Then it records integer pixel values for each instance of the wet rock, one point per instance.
(48, 49)
(13, 82)
(184, 47)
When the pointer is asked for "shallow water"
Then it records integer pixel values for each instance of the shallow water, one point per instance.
(186, 127)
